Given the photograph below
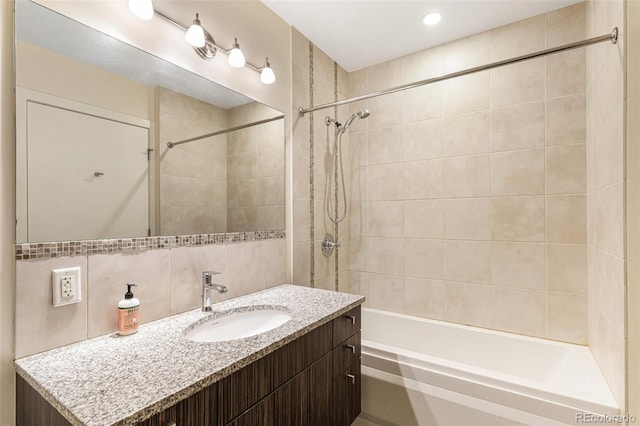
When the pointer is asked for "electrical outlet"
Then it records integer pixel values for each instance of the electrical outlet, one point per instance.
(66, 286)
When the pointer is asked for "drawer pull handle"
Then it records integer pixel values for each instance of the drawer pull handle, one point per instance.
(172, 424)
(352, 377)
(352, 347)
(351, 317)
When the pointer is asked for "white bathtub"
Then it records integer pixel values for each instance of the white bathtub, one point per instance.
(417, 371)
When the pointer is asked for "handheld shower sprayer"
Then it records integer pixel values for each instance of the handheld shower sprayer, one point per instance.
(341, 128)
(336, 173)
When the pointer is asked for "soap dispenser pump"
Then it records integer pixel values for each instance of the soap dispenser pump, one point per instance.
(128, 313)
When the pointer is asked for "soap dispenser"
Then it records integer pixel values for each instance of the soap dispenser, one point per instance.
(128, 313)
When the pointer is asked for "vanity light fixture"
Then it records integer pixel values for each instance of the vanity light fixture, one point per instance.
(143, 9)
(236, 57)
(195, 34)
(267, 76)
(202, 42)
(432, 18)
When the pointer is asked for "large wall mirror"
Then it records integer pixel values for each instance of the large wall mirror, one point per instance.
(94, 116)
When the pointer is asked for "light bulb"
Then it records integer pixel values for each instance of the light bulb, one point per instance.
(266, 75)
(195, 34)
(236, 57)
(143, 9)
(432, 18)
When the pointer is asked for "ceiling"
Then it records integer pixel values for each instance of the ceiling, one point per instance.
(361, 33)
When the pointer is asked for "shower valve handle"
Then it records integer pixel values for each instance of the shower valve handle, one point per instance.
(330, 244)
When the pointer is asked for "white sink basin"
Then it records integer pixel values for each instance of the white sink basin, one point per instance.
(238, 325)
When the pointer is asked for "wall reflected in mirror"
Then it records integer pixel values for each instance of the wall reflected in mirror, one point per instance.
(94, 116)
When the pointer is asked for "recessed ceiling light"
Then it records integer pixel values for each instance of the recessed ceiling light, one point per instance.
(432, 18)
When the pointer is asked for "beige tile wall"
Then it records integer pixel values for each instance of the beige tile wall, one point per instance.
(168, 283)
(468, 197)
(323, 268)
(605, 193)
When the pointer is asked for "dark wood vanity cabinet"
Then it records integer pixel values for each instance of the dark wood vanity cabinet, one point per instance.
(346, 354)
(311, 381)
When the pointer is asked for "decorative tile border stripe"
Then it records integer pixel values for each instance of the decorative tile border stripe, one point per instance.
(312, 225)
(26, 251)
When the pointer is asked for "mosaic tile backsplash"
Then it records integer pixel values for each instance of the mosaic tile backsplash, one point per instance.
(26, 251)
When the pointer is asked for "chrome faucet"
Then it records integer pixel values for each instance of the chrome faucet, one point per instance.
(207, 286)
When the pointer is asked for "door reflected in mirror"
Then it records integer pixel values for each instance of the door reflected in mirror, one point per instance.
(92, 132)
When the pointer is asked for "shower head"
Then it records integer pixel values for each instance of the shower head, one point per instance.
(360, 114)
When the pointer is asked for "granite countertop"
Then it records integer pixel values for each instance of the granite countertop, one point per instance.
(122, 380)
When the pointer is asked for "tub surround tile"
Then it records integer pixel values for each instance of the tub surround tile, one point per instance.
(518, 127)
(508, 305)
(423, 140)
(518, 83)
(424, 298)
(423, 218)
(423, 103)
(468, 304)
(424, 258)
(566, 73)
(567, 317)
(567, 268)
(467, 261)
(466, 94)
(386, 292)
(566, 25)
(518, 172)
(160, 350)
(467, 219)
(466, 134)
(566, 169)
(566, 120)
(519, 38)
(518, 219)
(422, 179)
(567, 219)
(467, 176)
(518, 265)
(467, 52)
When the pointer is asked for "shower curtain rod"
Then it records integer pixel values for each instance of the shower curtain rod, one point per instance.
(613, 37)
(230, 129)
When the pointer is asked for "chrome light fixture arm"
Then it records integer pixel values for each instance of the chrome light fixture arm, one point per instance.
(209, 50)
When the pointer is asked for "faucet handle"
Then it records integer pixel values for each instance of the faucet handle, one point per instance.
(206, 276)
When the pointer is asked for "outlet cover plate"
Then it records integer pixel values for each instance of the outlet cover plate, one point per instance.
(61, 279)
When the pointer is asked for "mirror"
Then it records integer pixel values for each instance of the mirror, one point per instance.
(93, 119)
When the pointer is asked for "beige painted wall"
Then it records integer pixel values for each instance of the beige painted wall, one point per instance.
(7, 213)
(75, 80)
(468, 196)
(606, 193)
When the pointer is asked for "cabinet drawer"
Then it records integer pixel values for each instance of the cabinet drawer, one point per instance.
(346, 396)
(346, 353)
(346, 325)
